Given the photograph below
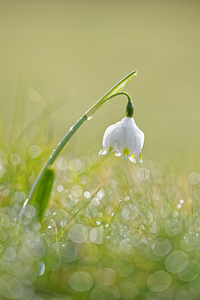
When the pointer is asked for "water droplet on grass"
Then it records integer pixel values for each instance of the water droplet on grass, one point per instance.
(76, 191)
(173, 227)
(159, 281)
(83, 179)
(19, 196)
(15, 288)
(176, 261)
(34, 151)
(61, 163)
(105, 276)
(60, 188)
(41, 269)
(87, 195)
(81, 281)
(129, 212)
(10, 254)
(191, 271)
(155, 228)
(161, 248)
(69, 252)
(189, 242)
(96, 235)
(78, 233)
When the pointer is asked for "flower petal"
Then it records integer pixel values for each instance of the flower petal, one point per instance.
(125, 138)
(132, 158)
(109, 138)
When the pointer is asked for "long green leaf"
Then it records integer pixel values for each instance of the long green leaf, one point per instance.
(114, 90)
(43, 192)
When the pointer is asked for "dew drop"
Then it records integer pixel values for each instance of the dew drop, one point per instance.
(34, 151)
(96, 235)
(176, 261)
(78, 233)
(60, 188)
(159, 281)
(81, 281)
(173, 227)
(41, 269)
(87, 195)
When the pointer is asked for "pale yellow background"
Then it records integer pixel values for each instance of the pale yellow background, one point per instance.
(82, 48)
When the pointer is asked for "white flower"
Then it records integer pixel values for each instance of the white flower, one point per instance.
(124, 138)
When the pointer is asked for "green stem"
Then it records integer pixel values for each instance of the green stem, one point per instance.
(115, 91)
(53, 157)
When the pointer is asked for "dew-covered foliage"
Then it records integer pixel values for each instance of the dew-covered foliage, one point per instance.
(113, 230)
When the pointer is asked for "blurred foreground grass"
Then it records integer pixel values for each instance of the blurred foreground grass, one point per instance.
(113, 230)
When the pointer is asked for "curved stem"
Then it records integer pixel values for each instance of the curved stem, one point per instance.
(53, 157)
(115, 91)
(122, 93)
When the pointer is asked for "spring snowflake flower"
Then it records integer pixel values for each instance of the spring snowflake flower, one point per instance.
(124, 138)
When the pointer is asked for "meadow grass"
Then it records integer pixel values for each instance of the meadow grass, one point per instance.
(113, 230)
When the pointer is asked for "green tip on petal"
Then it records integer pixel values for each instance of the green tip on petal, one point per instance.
(110, 149)
(126, 152)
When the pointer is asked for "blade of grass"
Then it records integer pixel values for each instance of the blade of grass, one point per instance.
(42, 194)
(64, 227)
(115, 213)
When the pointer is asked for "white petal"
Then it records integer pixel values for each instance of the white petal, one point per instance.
(109, 137)
(129, 136)
(132, 159)
(117, 154)
(125, 138)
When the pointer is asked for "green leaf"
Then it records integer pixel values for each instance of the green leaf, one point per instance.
(114, 90)
(43, 192)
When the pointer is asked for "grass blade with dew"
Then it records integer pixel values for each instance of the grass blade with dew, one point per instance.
(64, 228)
(43, 192)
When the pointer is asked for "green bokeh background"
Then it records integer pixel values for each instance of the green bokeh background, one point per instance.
(82, 48)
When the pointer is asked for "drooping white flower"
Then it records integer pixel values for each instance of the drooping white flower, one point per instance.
(124, 138)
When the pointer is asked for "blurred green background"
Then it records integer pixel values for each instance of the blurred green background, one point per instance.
(80, 49)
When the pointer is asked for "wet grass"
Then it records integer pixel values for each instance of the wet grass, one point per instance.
(113, 230)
